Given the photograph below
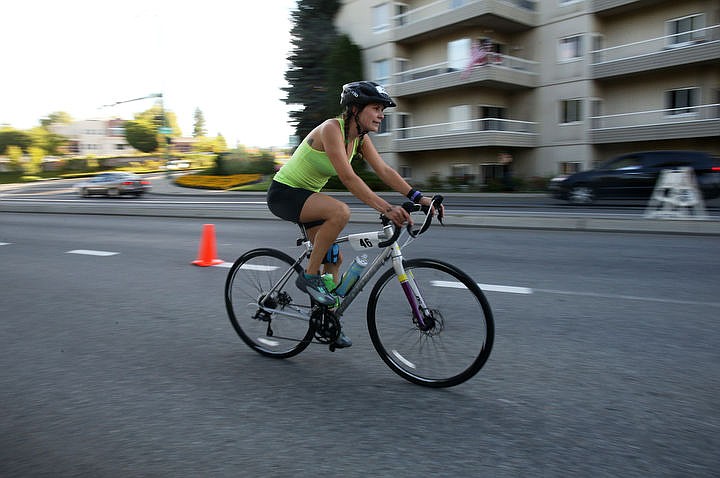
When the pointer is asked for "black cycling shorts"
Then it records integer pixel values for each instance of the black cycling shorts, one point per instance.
(286, 202)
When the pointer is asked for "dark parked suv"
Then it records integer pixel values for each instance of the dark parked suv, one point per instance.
(633, 176)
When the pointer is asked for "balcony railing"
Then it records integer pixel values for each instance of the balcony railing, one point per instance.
(466, 134)
(655, 46)
(458, 127)
(686, 122)
(496, 60)
(657, 117)
(443, 6)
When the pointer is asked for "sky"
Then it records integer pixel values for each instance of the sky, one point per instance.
(226, 57)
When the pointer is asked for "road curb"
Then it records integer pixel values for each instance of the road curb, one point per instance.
(630, 224)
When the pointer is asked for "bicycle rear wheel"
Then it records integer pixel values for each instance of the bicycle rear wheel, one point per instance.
(460, 329)
(281, 329)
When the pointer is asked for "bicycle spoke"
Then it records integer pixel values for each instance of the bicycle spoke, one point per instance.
(457, 338)
(257, 275)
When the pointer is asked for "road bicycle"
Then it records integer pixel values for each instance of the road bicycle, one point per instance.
(427, 319)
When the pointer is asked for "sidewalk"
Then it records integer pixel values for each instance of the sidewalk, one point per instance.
(503, 219)
(497, 218)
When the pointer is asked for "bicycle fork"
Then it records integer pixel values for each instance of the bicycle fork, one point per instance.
(412, 292)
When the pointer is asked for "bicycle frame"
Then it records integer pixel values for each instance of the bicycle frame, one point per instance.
(365, 240)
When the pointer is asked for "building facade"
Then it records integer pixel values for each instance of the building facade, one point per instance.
(96, 137)
(552, 86)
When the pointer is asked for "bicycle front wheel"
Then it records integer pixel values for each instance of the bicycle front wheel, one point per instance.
(280, 328)
(455, 340)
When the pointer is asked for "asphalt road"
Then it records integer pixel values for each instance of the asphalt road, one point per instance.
(126, 365)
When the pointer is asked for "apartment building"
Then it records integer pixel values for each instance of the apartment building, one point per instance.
(97, 137)
(554, 86)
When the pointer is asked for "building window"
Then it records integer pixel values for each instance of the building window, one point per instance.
(405, 172)
(491, 116)
(458, 53)
(570, 48)
(381, 71)
(490, 172)
(381, 17)
(681, 101)
(683, 31)
(459, 117)
(384, 125)
(570, 111)
(403, 125)
(569, 167)
(461, 175)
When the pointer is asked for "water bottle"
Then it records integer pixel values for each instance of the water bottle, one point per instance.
(329, 281)
(351, 275)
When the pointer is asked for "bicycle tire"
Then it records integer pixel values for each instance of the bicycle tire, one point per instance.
(269, 333)
(459, 343)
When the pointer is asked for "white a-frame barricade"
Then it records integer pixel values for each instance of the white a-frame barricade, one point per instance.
(676, 196)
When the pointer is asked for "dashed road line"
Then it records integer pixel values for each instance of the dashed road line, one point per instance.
(90, 252)
(528, 291)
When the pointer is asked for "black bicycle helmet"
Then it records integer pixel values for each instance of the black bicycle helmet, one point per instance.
(363, 93)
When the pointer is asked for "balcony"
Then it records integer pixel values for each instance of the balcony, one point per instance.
(502, 71)
(679, 123)
(678, 50)
(604, 7)
(466, 134)
(449, 15)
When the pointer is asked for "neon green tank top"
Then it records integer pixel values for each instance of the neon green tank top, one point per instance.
(309, 168)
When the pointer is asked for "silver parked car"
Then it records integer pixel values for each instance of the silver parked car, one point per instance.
(113, 184)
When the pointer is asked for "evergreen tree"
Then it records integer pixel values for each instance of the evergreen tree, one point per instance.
(343, 65)
(198, 124)
(318, 64)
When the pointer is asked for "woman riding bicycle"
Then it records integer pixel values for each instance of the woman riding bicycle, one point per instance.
(294, 194)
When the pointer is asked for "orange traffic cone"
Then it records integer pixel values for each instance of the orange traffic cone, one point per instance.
(207, 253)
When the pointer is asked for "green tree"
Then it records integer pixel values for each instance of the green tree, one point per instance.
(343, 65)
(14, 137)
(313, 35)
(157, 116)
(142, 135)
(198, 124)
(50, 142)
(56, 117)
(206, 144)
(36, 157)
(15, 154)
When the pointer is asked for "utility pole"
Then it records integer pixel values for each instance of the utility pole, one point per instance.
(164, 130)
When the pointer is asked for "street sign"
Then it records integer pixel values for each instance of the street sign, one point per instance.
(165, 130)
(676, 196)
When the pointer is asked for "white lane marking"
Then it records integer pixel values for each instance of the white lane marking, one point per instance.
(485, 287)
(527, 290)
(5, 243)
(89, 252)
(629, 297)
